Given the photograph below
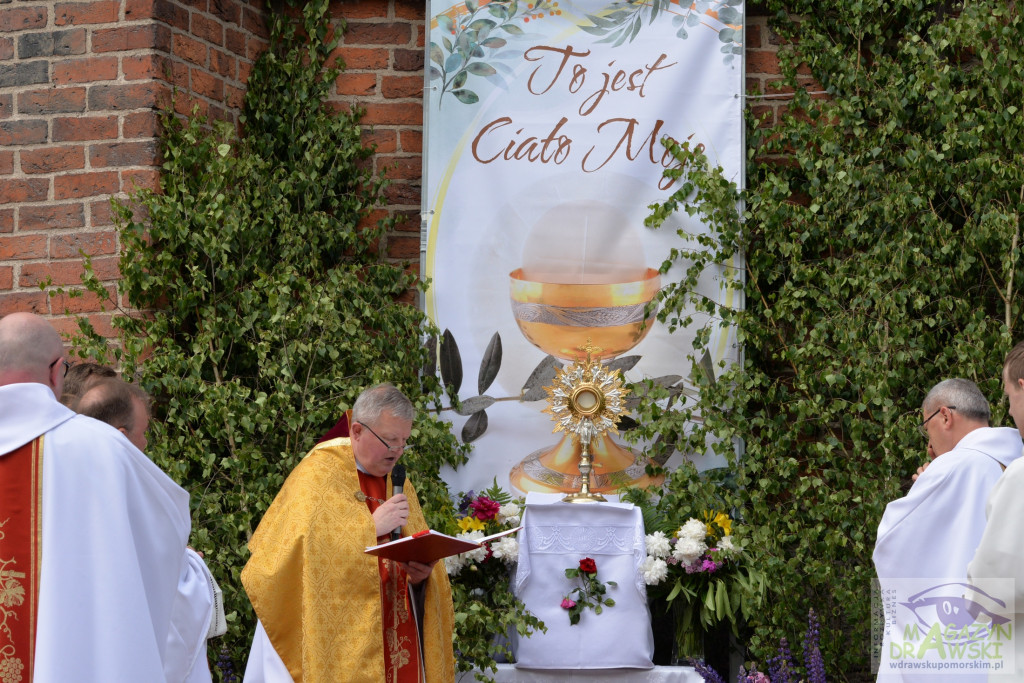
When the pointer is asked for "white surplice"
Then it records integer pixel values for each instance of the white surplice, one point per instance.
(114, 528)
(933, 531)
(1000, 553)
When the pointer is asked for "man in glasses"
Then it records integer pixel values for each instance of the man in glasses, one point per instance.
(327, 611)
(93, 532)
(933, 531)
(1000, 553)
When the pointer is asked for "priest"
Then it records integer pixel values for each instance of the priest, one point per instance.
(92, 539)
(933, 531)
(327, 611)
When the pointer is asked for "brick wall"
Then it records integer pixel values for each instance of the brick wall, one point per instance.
(80, 83)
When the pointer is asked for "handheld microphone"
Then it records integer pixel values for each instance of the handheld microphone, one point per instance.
(397, 484)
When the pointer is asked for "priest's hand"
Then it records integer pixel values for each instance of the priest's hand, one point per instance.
(920, 471)
(392, 513)
(417, 571)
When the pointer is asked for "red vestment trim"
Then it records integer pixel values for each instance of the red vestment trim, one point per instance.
(20, 553)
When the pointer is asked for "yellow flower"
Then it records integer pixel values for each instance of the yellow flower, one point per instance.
(717, 519)
(724, 523)
(471, 524)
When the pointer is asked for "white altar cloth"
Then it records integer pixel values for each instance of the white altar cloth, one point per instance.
(555, 537)
(507, 673)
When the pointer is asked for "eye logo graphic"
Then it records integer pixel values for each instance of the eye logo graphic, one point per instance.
(947, 605)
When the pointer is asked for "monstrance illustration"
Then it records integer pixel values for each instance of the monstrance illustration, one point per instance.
(583, 285)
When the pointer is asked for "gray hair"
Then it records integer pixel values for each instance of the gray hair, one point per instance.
(380, 399)
(963, 394)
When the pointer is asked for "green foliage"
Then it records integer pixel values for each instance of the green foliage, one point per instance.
(881, 235)
(267, 306)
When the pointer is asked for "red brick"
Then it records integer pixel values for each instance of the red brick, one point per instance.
(386, 141)
(363, 59)
(403, 194)
(208, 85)
(22, 19)
(410, 9)
(186, 105)
(376, 33)
(222, 63)
(6, 163)
(85, 70)
(83, 243)
(138, 67)
(19, 190)
(6, 277)
(234, 41)
(52, 160)
(208, 29)
(762, 62)
(357, 9)
(244, 70)
(79, 13)
(22, 132)
(407, 221)
(6, 48)
(753, 36)
(403, 247)
(131, 181)
(412, 141)
(78, 185)
(101, 322)
(143, 124)
(106, 268)
(101, 213)
(52, 101)
(393, 87)
(58, 272)
(188, 49)
(394, 114)
(51, 217)
(6, 105)
(234, 97)
(153, 36)
(6, 220)
(357, 83)
(82, 128)
(254, 21)
(409, 60)
(86, 302)
(200, 5)
(123, 154)
(125, 97)
(166, 11)
(27, 302)
(17, 247)
(254, 47)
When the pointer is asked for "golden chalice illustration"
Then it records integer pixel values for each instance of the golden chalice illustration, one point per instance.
(572, 322)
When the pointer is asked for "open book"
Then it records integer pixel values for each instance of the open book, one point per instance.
(427, 546)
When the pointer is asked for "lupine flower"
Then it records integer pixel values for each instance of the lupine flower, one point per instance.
(812, 652)
(706, 672)
(780, 667)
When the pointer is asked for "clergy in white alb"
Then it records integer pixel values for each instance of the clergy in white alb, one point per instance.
(93, 536)
(933, 531)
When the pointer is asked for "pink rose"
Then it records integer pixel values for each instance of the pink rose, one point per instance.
(484, 508)
(567, 603)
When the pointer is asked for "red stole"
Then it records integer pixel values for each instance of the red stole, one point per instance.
(401, 639)
(21, 474)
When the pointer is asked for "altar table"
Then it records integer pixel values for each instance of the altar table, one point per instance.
(507, 673)
(555, 536)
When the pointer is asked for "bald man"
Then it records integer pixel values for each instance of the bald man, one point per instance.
(93, 534)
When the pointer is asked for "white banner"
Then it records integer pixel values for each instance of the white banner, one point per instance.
(544, 124)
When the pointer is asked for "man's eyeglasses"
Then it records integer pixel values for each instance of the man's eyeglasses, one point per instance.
(67, 365)
(921, 427)
(393, 449)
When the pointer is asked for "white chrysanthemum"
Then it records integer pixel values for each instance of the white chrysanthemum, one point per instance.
(726, 545)
(658, 545)
(506, 549)
(688, 549)
(694, 528)
(479, 554)
(655, 570)
(509, 513)
(453, 564)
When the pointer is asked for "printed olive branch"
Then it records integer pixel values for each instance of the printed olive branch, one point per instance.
(465, 39)
(624, 19)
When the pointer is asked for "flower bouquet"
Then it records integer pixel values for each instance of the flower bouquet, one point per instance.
(589, 594)
(485, 607)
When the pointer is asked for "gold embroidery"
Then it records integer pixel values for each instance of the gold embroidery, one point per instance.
(12, 594)
(362, 498)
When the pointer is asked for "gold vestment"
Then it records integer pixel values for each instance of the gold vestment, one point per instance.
(318, 595)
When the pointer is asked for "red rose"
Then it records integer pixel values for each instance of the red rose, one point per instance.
(588, 566)
(484, 508)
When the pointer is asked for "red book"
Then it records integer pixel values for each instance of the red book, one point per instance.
(427, 546)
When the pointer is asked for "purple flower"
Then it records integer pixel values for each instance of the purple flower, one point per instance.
(567, 603)
(709, 566)
(706, 672)
(812, 652)
(780, 667)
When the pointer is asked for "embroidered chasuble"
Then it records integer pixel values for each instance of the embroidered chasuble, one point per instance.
(20, 546)
(332, 612)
